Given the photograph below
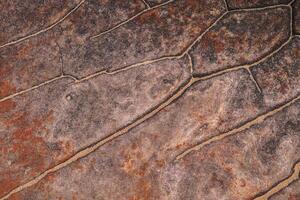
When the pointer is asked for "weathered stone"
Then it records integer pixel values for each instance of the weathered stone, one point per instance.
(279, 76)
(241, 37)
(96, 16)
(241, 166)
(155, 2)
(63, 117)
(291, 192)
(140, 164)
(20, 18)
(28, 64)
(296, 16)
(233, 134)
(41, 57)
(234, 4)
(163, 31)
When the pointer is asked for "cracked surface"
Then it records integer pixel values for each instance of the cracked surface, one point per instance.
(24, 17)
(291, 192)
(235, 4)
(154, 99)
(224, 46)
(296, 12)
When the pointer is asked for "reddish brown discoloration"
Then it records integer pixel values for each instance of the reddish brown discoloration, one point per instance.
(65, 133)
(56, 130)
(6, 106)
(240, 38)
(283, 72)
(41, 57)
(6, 88)
(32, 63)
(164, 31)
(230, 165)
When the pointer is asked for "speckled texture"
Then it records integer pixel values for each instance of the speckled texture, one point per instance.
(62, 117)
(296, 16)
(235, 4)
(115, 100)
(164, 31)
(20, 18)
(240, 38)
(292, 192)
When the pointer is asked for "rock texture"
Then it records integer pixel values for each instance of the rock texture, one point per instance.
(292, 192)
(296, 16)
(149, 99)
(235, 4)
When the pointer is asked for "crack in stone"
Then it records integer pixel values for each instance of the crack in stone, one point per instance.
(37, 86)
(146, 4)
(291, 19)
(282, 184)
(95, 146)
(253, 80)
(190, 63)
(260, 8)
(61, 58)
(77, 80)
(146, 116)
(126, 68)
(46, 29)
(226, 5)
(160, 106)
(131, 18)
(291, 2)
(257, 120)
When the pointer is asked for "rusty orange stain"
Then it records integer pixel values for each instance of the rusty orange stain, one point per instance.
(6, 88)
(7, 106)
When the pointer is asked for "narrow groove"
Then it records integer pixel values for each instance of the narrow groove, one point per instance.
(191, 63)
(270, 54)
(90, 149)
(291, 20)
(253, 80)
(203, 33)
(153, 61)
(258, 8)
(125, 68)
(44, 30)
(281, 185)
(234, 131)
(146, 4)
(226, 5)
(290, 4)
(131, 18)
(35, 87)
(61, 59)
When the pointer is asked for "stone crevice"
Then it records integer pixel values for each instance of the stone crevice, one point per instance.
(257, 120)
(295, 173)
(44, 30)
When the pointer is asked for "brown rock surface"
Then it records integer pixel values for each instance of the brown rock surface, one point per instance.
(241, 37)
(235, 4)
(63, 117)
(20, 18)
(149, 100)
(163, 31)
(296, 16)
(292, 192)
